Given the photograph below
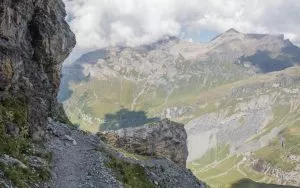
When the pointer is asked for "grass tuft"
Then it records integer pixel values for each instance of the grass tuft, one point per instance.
(13, 112)
(131, 175)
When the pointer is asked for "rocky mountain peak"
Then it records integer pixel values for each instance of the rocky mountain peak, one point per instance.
(230, 33)
(232, 30)
(233, 34)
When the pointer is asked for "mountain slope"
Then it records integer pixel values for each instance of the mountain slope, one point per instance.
(155, 77)
(238, 96)
(255, 128)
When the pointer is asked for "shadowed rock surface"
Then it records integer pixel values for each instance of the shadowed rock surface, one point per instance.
(34, 41)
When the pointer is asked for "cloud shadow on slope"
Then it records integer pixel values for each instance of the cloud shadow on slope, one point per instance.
(125, 118)
(288, 57)
(265, 63)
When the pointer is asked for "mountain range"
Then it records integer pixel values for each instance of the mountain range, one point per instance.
(238, 96)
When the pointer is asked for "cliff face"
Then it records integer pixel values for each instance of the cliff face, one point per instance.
(163, 139)
(34, 41)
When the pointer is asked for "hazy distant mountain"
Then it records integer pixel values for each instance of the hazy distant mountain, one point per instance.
(238, 95)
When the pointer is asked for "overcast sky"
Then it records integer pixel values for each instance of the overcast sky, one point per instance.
(102, 23)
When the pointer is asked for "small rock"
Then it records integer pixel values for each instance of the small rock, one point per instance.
(69, 138)
(37, 161)
(5, 184)
(67, 144)
(153, 174)
(7, 160)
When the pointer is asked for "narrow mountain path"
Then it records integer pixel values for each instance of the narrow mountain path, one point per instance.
(134, 101)
(221, 174)
(213, 164)
(239, 169)
(76, 162)
(167, 98)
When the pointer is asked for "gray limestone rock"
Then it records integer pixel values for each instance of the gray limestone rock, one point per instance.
(162, 138)
(34, 41)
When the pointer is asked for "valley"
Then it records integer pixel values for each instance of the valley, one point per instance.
(238, 96)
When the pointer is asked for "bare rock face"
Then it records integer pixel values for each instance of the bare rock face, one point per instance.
(34, 41)
(162, 139)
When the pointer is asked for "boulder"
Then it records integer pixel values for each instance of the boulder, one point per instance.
(161, 139)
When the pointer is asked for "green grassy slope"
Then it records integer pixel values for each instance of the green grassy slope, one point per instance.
(202, 95)
(224, 169)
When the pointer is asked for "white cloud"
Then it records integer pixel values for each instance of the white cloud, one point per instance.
(101, 23)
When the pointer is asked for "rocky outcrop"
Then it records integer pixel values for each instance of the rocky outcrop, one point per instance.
(162, 139)
(282, 177)
(34, 41)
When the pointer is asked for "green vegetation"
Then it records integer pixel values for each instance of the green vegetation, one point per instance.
(292, 138)
(132, 155)
(204, 93)
(13, 112)
(7, 68)
(220, 169)
(24, 177)
(253, 174)
(224, 173)
(131, 175)
(277, 154)
(94, 98)
(212, 155)
(221, 172)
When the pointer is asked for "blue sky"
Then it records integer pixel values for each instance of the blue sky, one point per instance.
(202, 36)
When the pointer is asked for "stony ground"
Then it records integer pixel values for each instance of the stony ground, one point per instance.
(76, 162)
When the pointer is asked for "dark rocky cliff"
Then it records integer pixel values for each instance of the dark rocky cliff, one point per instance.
(34, 41)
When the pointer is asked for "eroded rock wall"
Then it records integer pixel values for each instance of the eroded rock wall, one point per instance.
(34, 41)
